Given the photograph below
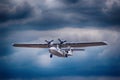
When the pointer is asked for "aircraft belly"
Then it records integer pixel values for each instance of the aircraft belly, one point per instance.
(55, 52)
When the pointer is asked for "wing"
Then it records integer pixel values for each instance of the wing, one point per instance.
(63, 45)
(84, 44)
(31, 45)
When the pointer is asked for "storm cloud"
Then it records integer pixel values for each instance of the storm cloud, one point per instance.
(11, 12)
(61, 13)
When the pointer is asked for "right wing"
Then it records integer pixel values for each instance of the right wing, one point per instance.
(84, 44)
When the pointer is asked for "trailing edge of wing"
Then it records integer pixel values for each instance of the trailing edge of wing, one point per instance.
(31, 45)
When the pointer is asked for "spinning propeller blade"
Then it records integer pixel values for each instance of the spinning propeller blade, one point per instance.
(49, 42)
(61, 42)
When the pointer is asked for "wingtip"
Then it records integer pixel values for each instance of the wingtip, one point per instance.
(105, 43)
(13, 44)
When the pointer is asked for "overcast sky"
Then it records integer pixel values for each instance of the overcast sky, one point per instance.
(33, 21)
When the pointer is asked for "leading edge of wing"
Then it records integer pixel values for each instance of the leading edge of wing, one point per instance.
(85, 44)
(63, 45)
(31, 45)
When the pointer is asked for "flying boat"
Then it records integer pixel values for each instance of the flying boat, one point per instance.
(61, 49)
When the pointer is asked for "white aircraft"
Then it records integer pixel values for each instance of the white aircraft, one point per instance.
(61, 49)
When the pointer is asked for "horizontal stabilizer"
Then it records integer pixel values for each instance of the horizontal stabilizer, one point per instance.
(74, 49)
(78, 49)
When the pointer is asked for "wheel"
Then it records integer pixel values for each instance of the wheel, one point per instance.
(66, 55)
(51, 55)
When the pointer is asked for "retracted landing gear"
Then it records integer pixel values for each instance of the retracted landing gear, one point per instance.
(51, 55)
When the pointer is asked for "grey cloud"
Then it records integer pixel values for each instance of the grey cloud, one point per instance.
(112, 14)
(49, 15)
(70, 1)
(10, 12)
(82, 13)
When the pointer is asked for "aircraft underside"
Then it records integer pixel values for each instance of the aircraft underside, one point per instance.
(59, 52)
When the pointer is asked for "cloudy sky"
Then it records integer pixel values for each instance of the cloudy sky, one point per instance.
(33, 21)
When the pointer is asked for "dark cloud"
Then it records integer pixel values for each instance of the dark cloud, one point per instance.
(76, 13)
(93, 13)
(70, 1)
(112, 15)
(4, 1)
(79, 13)
(62, 13)
(10, 12)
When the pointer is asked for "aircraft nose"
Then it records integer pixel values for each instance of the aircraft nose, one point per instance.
(52, 48)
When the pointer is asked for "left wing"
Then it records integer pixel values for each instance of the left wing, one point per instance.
(31, 45)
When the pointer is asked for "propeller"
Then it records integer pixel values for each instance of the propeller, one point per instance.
(49, 42)
(61, 42)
